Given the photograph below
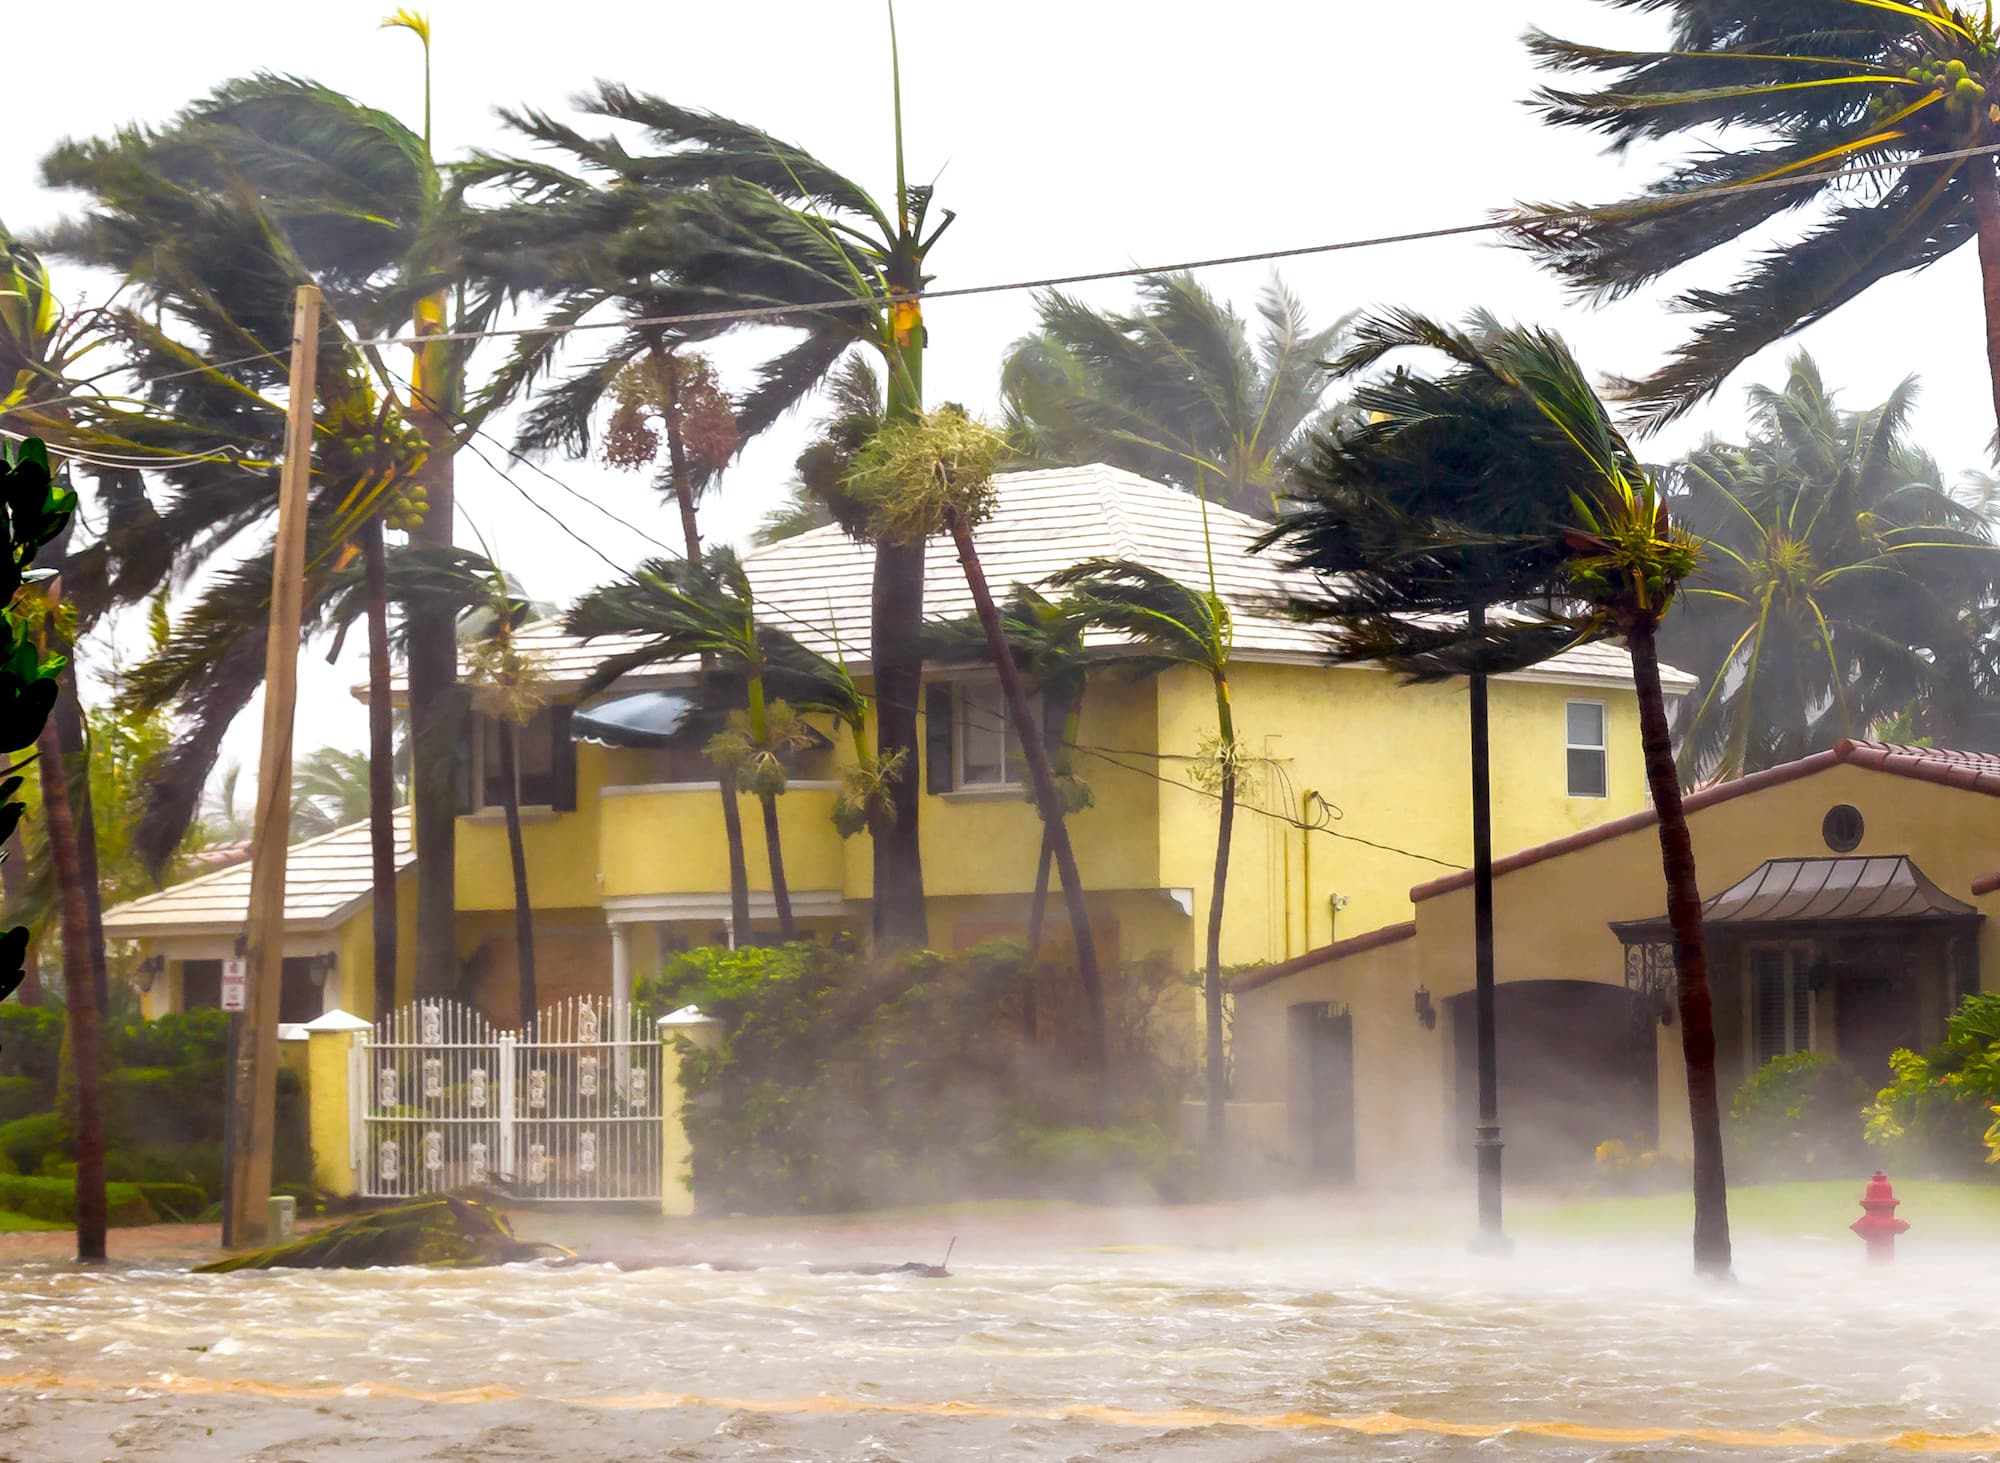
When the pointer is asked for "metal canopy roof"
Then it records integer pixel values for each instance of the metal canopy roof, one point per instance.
(1820, 891)
(640, 719)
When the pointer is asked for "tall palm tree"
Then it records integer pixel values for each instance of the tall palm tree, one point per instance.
(818, 495)
(1840, 573)
(215, 218)
(713, 216)
(933, 473)
(1504, 481)
(704, 612)
(338, 784)
(1176, 390)
(1172, 624)
(1765, 92)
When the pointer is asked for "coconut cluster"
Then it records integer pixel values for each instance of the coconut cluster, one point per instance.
(1964, 93)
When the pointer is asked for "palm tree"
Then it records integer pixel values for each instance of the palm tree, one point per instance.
(1769, 92)
(818, 495)
(1176, 390)
(336, 785)
(705, 611)
(1045, 637)
(1840, 574)
(1503, 481)
(1172, 624)
(268, 183)
(923, 475)
(715, 217)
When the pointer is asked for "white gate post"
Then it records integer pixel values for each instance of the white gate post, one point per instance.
(506, 1155)
(676, 1182)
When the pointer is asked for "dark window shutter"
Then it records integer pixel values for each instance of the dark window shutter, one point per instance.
(1055, 712)
(562, 795)
(461, 765)
(937, 739)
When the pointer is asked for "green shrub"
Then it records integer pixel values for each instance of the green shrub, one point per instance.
(1797, 1116)
(26, 1142)
(54, 1199)
(31, 1039)
(174, 1203)
(840, 1082)
(21, 1097)
(1618, 1169)
(1941, 1113)
(180, 1039)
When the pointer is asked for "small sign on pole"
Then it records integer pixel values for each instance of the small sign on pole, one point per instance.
(235, 984)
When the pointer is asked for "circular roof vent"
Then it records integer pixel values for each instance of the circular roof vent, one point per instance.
(1842, 828)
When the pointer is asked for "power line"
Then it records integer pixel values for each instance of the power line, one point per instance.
(1495, 224)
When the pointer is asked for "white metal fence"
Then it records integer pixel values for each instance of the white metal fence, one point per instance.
(567, 1111)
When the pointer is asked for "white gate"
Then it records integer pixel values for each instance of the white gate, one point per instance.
(569, 1111)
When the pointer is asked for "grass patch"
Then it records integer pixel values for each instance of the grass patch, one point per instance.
(1937, 1209)
(13, 1223)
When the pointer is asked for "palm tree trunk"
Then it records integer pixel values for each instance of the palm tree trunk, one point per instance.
(732, 814)
(80, 995)
(1056, 829)
(1211, 986)
(1986, 214)
(517, 857)
(896, 649)
(73, 736)
(381, 768)
(1697, 1017)
(781, 894)
(435, 722)
(1038, 906)
(14, 882)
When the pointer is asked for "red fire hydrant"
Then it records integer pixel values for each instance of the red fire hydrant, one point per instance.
(1878, 1224)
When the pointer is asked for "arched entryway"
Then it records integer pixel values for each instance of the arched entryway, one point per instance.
(1572, 1076)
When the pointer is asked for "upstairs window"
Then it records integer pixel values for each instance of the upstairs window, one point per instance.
(1586, 749)
(545, 771)
(970, 744)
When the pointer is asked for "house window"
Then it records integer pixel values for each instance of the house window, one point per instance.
(535, 774)
(1780, 1004)
(1585, 726)
(988, 749)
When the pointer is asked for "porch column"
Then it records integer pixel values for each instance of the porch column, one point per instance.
(621, 965)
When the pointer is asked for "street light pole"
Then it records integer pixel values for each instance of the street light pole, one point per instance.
(1491, 1237)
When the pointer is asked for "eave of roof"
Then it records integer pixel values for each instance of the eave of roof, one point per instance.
(1850, 890)
(1970, 771)
(1325, 955)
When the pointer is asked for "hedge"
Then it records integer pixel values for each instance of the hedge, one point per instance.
(55, 1200)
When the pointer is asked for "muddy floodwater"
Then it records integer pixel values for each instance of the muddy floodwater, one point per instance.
(1065, 1351)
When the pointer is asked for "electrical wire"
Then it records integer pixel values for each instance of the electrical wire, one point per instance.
(1495, 224)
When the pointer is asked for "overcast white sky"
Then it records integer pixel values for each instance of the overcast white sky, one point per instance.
(1068, 135)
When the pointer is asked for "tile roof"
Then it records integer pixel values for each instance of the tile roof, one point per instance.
(819, 582)
(1325, 955)
(326, 879)
(1972, 771)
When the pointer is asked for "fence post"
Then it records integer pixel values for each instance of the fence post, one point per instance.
(330, 1100)
(505, 1041)
(676, 1183)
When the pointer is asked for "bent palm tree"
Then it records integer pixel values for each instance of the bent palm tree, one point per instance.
(1175, 625)
(1505, 481)
(1176, 390)
(1770, 92)
(714, 216)
(1839, 576)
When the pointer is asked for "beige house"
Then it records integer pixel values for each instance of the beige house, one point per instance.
(1846, 908)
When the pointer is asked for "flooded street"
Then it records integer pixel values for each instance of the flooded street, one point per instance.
(1060, 1351)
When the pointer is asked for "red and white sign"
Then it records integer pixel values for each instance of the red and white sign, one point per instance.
(235, 985)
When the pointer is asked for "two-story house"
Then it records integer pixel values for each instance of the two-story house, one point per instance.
(1359, 787)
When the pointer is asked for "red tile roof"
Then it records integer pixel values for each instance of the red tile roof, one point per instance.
(1338, 950)
(1973, 771)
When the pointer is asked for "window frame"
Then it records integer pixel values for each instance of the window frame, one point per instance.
(1602, 747)
(1796, 975)
(1009, 739)
(479, 724)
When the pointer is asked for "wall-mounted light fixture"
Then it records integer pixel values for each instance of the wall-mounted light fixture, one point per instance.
(1426, 1012)
(321, 966)
(149, 971)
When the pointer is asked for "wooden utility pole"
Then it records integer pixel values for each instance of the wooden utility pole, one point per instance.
(255, 1088)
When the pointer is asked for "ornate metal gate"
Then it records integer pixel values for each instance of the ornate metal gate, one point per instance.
(568, 1111)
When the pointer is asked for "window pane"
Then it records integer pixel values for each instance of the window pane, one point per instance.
(1586, 773)
(491, 789)
(1801, 1012)
(1586, 724)
(1767, 1005)
(982, 737)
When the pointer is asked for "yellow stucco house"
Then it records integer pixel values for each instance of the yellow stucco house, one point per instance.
(626, 856)
(1846, 899)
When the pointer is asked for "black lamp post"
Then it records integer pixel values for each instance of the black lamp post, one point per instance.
(1491, 1238)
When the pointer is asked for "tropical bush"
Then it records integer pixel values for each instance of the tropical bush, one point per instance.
(842, 1082)
(1619, 1168)
(1942, 1111)
(1797, 1116)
